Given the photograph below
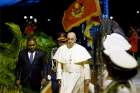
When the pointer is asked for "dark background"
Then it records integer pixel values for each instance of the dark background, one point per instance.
(123, 11)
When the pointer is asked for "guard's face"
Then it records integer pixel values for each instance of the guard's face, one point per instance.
(60, 43)
(71, 39)
(31, 45)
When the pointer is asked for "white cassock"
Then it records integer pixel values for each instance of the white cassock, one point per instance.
(72, 70)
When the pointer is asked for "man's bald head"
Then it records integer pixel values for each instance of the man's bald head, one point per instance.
(71, 39)
(71, 34)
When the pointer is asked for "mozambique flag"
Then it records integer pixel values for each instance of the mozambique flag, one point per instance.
(91, 27)
(79, 11)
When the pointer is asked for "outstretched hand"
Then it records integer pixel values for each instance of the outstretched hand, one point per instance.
(18, 82)
(43, 82)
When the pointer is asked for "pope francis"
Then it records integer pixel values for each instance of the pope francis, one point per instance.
(73, 71)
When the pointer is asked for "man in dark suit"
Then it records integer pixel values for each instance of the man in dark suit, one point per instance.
(31, 70)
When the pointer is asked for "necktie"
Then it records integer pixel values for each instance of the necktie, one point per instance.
(31, 58)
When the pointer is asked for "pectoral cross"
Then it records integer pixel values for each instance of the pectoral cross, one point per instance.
(70, 58)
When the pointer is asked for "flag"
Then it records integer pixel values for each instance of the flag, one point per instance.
(91, 28)
(79, 11)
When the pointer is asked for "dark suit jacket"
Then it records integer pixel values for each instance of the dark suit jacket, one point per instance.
(28, 73)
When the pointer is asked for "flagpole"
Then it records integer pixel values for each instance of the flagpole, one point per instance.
(98, 64)
(83, 29)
